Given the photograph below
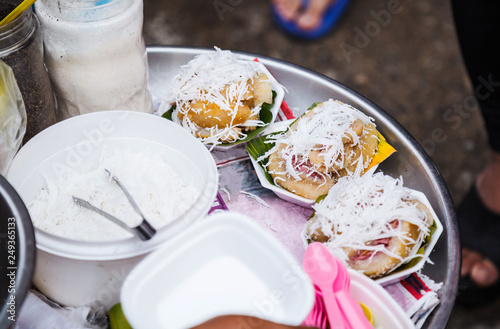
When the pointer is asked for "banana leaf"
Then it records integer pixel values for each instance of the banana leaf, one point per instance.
(117, 319)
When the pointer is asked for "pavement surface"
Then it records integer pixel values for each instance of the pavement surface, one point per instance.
(408, 62)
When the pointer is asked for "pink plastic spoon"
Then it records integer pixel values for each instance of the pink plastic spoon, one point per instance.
(317, 317)
(350, 307)
(322, 269)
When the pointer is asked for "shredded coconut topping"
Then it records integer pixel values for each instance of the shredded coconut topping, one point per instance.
(261, 203)
(358, 211)
(161, 194)
(323, 132)
(221, 78)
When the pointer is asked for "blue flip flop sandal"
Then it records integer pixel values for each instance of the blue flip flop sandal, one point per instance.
(480, 231)
(330, 18)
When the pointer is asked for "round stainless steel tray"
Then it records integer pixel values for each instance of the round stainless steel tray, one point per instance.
(21, 259)
(411, 162)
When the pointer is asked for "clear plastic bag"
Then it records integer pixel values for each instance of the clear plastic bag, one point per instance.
(40, 313)
(12, 117)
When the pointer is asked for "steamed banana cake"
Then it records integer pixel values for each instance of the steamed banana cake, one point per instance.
(218, 96)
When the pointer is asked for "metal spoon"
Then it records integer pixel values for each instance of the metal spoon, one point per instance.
(144, 230)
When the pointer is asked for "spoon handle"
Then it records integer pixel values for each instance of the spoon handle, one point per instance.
(353, 312)
(335, 316)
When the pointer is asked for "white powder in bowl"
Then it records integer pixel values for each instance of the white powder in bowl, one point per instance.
(161, 194)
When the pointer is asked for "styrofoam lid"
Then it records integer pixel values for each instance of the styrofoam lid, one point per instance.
(226, 264)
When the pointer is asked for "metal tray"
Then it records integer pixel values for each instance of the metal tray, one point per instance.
(411, 162)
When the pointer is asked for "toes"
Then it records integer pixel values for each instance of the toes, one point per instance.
(311, 18)
(484, 273)
(469, 259)
(309, 21)
(288, 9)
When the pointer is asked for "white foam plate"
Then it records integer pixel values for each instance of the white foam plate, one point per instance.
(226, 264)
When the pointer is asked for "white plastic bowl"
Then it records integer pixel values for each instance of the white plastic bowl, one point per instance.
(387, 314)
(226, 264)
(75, 273)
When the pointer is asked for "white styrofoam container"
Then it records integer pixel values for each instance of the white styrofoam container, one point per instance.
(226, 264)
(75, 273)
(387, 314)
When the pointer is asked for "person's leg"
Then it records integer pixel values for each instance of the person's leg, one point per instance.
(477, 26)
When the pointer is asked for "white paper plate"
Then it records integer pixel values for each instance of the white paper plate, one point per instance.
(226, 264)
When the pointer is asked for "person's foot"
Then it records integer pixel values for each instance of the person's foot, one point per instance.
(481, 270)
(307, 19)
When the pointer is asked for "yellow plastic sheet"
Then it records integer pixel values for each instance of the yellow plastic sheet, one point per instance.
(383, 152)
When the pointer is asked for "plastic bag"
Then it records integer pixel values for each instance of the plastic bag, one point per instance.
(12, 117)
(40, 313)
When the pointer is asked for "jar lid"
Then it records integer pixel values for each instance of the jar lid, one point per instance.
(17, 32)
(83, 11)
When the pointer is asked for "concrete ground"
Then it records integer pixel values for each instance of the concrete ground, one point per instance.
(409, 65)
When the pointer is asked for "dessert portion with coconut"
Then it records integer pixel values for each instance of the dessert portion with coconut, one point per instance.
(331, 140)
(372, 223)
(218, 97)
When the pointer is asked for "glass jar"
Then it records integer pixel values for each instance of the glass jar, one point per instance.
(21, 48)
(95, 54)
